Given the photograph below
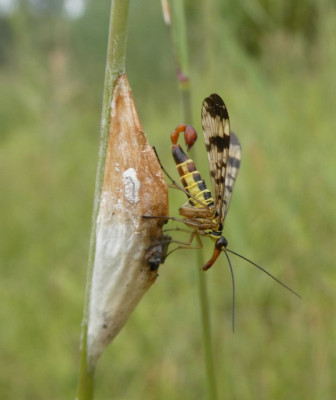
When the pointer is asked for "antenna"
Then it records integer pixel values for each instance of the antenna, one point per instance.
(233, 292)
(264, 270)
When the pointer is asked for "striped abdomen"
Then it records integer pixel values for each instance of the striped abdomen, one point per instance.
(191, 180)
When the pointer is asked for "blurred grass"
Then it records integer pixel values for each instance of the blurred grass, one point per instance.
(280, 93)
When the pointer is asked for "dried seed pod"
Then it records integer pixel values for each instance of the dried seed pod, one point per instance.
(133, 186)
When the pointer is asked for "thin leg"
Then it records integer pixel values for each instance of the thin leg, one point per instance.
(187, 245)
(194, 224)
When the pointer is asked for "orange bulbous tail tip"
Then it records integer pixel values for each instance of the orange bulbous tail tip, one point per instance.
(190, 136)
(176, 133)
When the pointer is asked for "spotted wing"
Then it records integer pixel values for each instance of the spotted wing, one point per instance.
(216, 130)
(231, 171)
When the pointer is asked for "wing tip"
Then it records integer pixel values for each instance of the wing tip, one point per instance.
(215, 106)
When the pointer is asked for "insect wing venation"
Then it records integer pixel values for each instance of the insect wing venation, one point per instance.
(216, 130)
(231, 171)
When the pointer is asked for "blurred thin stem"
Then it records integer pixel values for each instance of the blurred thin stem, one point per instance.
(174, 18)
(176, 22)
(86, 375)
(207, 342)
(115, 66)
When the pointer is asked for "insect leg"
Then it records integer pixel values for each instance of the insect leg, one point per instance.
(193, 224)
(174, 183)
(187, 245)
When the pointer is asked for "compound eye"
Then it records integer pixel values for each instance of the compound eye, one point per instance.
(221, 242)
(190, 136)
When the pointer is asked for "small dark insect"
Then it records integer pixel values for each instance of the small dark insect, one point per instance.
(157, 253)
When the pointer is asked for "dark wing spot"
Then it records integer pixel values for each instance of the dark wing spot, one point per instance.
(234, 139)
(220, 142)
(215, 107)
(220, 180)
(234, 162)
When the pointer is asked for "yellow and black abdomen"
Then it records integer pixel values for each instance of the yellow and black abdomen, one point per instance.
(191, 179)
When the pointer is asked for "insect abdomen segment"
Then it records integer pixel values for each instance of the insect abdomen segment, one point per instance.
(191, 179)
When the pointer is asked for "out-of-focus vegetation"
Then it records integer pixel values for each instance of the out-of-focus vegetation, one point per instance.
(274, 63)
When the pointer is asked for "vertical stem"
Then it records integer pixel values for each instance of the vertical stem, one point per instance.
(207, 342)
(177, 30)
(185, 97)
(86, 373)
(203, 294)
(115, 66)
(179, 39)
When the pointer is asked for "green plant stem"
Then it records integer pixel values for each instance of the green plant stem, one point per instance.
(207, 342)
(185, 98)
(179, 43)
(115, 66)
(86, 374)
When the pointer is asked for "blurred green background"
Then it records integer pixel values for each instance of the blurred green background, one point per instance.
(274, 63)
